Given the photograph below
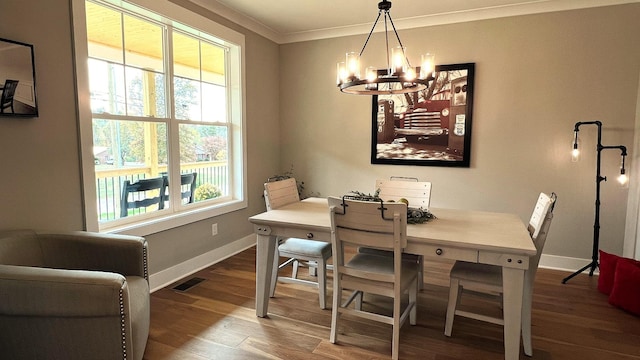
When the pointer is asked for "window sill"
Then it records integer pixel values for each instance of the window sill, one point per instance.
(156, 225)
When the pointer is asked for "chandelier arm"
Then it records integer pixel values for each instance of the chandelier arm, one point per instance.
(370, 32)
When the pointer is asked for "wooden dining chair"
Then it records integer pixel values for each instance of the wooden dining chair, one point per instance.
(8, 93)
(315, 253)
(187, 187)
(418, 195)
(379, 225)
(142, 194)
(484, 278)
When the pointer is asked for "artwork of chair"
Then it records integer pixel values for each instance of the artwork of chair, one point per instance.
(8, 92)
(317, 253)
(377, 225)
(73, 295)
(142, 193)
(487, 279)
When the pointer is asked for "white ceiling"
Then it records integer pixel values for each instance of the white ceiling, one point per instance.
(285, 21)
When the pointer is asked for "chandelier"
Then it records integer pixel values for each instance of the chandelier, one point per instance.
(398, 78)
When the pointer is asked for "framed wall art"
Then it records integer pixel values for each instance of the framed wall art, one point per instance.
(431, 127)
(17, 80)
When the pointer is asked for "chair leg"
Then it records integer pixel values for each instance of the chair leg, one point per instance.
(335, 310)
(413, 299)
(359, 300)
(313, 268)
(526, 320)
(294, 271)
(322, 282)
(395, 341)
(454, 296)
(421, 272)
(274, 273)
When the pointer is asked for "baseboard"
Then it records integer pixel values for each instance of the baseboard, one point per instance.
(563, 263)
(168, 276)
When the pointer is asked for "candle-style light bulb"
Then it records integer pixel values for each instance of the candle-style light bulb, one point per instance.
(341, 73)
(353, 65)
(427, 65)
(623, 179)
(397, 60)
(575, 153)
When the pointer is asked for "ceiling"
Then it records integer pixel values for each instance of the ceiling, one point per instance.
(285, 21)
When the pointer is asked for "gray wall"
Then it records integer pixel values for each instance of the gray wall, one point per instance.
(535, 77)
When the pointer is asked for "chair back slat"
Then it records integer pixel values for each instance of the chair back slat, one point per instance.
(539, 214)
(364, 223)
(149, 192)
(280, 193)
(418, 193)
(538, 228)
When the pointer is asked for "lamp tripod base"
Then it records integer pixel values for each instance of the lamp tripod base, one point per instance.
(593, 265)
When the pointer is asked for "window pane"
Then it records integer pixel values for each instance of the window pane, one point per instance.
(143, 44)
(106, 81)
(186, 56)
(145, 93)
(104, 33)
(126, 150)
(214, 104)
(187, 99)
(212, 63)
(204, 150)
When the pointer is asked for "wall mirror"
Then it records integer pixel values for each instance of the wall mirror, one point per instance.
(17, 80)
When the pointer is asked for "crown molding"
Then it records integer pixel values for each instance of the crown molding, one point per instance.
(527, 8)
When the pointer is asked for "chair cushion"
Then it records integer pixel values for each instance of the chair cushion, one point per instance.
(379, 264)
(625, 293)
(293, 247)
(483, 273)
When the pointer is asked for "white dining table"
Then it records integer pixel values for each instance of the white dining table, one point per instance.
(475, 236)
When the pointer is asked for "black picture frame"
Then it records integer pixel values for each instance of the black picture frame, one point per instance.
(429, 128)
(17, 80)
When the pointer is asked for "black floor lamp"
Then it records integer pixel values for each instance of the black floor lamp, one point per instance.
(623, 179)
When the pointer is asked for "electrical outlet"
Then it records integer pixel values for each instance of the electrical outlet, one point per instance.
(214, 229)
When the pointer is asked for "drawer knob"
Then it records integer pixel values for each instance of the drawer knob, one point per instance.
(309, 235)
(439, 251)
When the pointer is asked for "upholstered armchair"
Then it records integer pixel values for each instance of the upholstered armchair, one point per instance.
(73, 295)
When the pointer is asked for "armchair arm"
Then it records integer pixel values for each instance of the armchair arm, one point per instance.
(122, 254)
(31, 291)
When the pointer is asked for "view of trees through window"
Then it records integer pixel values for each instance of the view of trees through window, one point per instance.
(151, 107)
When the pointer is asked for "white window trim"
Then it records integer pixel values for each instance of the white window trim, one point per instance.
(84, 115)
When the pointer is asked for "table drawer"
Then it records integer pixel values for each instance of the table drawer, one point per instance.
(452, 253)
(302, 234)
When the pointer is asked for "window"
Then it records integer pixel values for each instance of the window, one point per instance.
(160, 102)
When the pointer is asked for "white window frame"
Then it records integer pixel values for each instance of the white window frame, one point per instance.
(237, 134)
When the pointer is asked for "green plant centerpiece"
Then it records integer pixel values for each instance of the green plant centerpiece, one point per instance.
(414, 215)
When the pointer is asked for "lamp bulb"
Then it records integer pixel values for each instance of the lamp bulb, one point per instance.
(623, 179)
(575, 154)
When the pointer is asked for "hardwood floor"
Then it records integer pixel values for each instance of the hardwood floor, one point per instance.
(216, 320)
